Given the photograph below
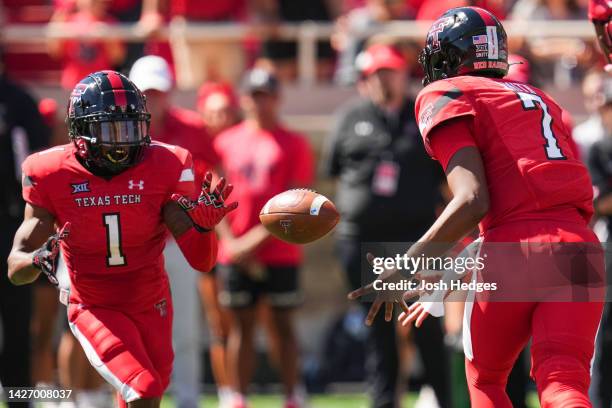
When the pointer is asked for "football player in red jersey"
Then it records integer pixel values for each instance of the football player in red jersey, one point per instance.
(511, 170)
(116, 194)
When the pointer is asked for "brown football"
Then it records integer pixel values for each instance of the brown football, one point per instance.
(299, 216)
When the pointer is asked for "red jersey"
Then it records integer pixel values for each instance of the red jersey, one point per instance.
(114, 250)
(260, 164)
(185, 128)
(531, 170)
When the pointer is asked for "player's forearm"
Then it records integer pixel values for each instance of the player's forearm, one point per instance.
(224, 230)
(176, 220)
(21, 271)
(459, 218)
(255, 237)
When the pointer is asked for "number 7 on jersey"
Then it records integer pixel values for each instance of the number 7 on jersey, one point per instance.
(529, 101)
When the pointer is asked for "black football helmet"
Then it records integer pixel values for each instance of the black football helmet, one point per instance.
(108, 122)
(465, 40)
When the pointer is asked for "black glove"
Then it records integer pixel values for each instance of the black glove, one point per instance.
(46, 257)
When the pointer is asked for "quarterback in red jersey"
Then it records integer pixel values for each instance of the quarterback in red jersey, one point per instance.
(116, 195)
(509, 165)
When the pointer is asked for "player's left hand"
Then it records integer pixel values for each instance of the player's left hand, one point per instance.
(388, 297)
(46, 257)
(210, 208)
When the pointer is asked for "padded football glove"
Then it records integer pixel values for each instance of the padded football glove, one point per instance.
(209, 209)
(46, 257)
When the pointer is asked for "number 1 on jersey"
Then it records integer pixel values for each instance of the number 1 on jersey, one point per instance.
(529, 101)
(113, 240)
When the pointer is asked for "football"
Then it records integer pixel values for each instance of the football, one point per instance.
(299, 216)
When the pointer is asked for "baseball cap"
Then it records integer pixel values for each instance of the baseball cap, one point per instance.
(380, 56)
(260, 80)
(214, 90)
(151, 72)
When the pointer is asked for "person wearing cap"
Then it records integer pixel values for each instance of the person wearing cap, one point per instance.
(384, 175)
(218, 107)
(173, 125)
(263, 158)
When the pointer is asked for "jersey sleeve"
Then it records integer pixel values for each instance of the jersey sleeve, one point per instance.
(449, 138)
(185, 180)
(438, 103)
(32, 188)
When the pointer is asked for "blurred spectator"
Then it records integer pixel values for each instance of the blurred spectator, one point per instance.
(600, 166)
(218, 105)
(433, 9)
(173, 125)
(377, 155)
(282, 54)
(22, 131)
(80, 55)
(124, 11)
(592, 129)
(262, 158)
(549, 10)
(559, 58)
(351, 31)
(197, 60)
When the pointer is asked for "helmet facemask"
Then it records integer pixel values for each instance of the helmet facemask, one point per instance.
(112, 142)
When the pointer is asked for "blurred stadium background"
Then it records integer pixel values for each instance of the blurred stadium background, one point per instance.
(321, 39)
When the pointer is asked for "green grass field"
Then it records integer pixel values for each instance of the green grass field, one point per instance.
(319, 401)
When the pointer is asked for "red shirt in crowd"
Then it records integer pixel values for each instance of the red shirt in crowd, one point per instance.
(260, 164)
(81, 56)
(185, 128)
(433, 9)
(208, 10)
(114, 6)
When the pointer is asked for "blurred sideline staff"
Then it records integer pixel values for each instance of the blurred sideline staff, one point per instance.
(381, 165)
(22, 131)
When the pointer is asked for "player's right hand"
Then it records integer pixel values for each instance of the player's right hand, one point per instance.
(46, 257)
(388, 297)
(210, 208)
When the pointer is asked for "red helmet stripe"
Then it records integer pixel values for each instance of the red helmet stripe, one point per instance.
(120, 97)
(118, 88)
